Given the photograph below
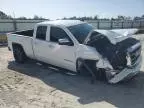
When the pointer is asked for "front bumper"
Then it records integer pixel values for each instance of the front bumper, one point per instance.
(128, 72)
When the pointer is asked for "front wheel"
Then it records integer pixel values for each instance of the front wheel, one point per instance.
(19, 54)
(100, 74)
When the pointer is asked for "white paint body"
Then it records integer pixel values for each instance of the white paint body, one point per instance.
(59, 55)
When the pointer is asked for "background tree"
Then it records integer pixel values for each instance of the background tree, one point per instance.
(22, 18)
(120, 17)
(95, 17)
(36, 17)
(4, 16)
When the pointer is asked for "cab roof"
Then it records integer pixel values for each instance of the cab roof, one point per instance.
(65, 23)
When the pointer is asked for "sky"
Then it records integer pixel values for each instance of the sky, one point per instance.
(54, 9)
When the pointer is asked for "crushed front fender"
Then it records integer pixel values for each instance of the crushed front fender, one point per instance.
(127, 72)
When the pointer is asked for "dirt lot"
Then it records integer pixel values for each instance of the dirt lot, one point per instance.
(36, 86)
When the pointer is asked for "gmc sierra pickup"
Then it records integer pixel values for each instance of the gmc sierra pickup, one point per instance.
(77, 46)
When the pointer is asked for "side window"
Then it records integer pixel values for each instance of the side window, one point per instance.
(57, 33)
(41, 32)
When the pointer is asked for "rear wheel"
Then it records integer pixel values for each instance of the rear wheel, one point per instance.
(19, 54)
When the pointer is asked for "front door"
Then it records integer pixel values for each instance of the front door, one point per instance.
(61, 55)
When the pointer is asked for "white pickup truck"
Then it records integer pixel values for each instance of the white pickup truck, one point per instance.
(77, 46)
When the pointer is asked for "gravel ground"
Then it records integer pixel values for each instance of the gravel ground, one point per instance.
(31, 85)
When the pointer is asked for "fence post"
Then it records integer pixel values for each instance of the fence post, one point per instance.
(111, 26)
(122, 24)
(140, 24)
(132, 24)
(98, 24)
(14, 25)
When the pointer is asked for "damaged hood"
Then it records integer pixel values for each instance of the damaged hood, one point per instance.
(125, 32)
(113, 36)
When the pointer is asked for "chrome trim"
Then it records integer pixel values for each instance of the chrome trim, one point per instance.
(132, 48)
(128, 58)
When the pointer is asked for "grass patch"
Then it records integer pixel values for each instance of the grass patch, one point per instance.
(3, 38)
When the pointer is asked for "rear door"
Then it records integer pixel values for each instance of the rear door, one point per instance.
(40, 44)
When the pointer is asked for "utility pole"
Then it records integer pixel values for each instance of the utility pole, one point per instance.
(14, 22)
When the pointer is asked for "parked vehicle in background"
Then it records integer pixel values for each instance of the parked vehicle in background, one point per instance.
(77, 46)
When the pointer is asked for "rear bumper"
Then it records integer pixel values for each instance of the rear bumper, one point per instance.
(128, 72)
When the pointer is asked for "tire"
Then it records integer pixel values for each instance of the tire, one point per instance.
(19, 54)
(81, 69)
(99, 73)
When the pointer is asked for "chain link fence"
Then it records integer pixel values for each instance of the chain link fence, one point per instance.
(18, 25)
(117, 24)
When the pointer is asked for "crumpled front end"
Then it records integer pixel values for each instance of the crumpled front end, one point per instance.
(120, 60)
(133, 65)
(127, 72)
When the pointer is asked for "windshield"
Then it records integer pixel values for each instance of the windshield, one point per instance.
(80, 31)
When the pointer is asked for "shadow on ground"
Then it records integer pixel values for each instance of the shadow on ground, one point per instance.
(124, 95)
(3, 45)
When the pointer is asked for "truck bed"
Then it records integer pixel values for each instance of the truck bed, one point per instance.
(23, 38)
(25, 33)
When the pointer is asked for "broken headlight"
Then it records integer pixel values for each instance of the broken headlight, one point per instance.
(128, 58)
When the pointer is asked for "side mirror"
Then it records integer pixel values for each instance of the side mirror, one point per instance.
(65, 42)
